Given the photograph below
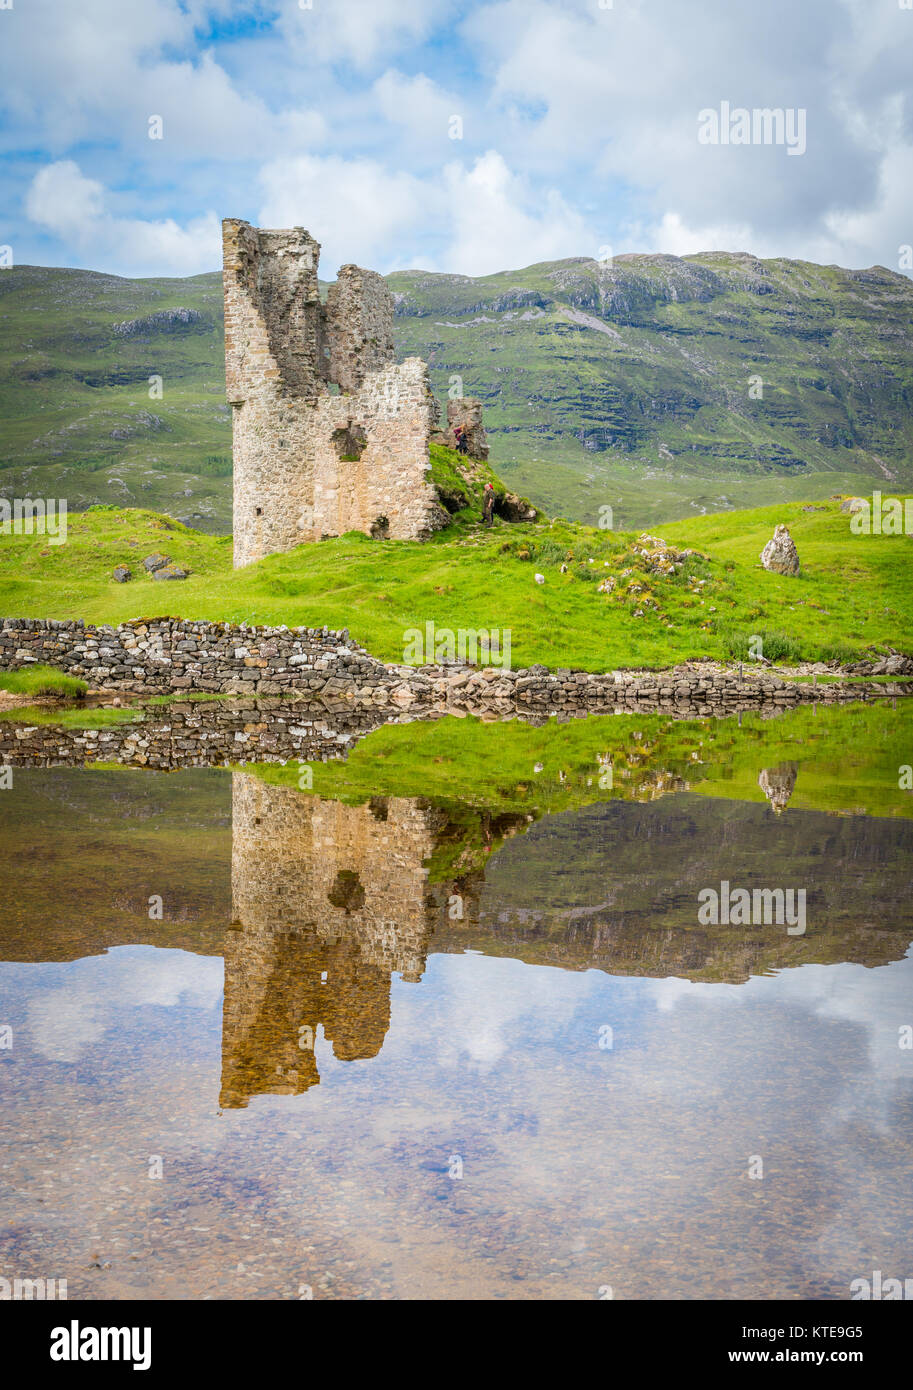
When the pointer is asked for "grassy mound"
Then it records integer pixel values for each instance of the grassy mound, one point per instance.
(604, 602)
(42, 680)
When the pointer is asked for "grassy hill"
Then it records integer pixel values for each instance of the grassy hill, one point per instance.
(630, 385)
(626, 386)
(77, 350)
(854, 593)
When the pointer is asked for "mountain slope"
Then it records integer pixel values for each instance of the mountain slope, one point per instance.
(626, 385)
(631, 385)
(77, 350)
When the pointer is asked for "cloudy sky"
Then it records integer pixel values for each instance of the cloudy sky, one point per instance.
(462, 136)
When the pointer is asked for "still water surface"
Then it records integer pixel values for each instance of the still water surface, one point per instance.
(352, 1091)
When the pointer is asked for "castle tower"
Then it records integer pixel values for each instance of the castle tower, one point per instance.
(329, 434)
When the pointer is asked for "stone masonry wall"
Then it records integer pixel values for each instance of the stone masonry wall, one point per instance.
(358, 326)
(329, 433)
(467, 411)
(327, 901)
(299, 861)
(161, 655)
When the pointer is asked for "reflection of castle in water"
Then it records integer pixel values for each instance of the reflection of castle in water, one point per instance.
(328, 900)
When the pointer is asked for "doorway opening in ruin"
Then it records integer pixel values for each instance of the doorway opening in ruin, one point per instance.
(349, 442)
(380, 528)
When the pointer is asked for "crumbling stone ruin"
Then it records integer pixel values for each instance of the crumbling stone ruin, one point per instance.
(466, 411)
(329, 433)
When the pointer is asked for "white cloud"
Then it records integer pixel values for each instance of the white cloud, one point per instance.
(65, 1021)
(876, 234)
(66, 203)
(579, 128)
(358, 210)
(486, 1008)
(875, 1002)
(79, 73)
(489, 218)
(420, 108)
(500, 221)
(615, 94)
(360, 31)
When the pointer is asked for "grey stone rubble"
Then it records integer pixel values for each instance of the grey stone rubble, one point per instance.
(692, 692)
(171, 655)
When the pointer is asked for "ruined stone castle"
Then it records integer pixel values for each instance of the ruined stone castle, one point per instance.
(329, 433)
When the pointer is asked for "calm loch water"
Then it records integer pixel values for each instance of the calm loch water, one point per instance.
(469, 1043)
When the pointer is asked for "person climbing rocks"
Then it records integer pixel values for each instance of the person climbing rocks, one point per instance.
(488, 504)
(462, 442)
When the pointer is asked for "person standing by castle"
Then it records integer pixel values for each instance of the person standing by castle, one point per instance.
(462, 442)
(488, 504)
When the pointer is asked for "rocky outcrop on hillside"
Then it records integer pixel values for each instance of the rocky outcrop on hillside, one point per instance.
(165, 321)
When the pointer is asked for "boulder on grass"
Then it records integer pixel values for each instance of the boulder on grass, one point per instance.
(152, 563)
(122, 574)
(780, 553)
(170, 572)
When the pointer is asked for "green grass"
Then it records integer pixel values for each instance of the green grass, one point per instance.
(461, 481)
(42, 680)
(854, 595)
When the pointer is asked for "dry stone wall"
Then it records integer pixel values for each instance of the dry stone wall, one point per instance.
(164, 655)
(196, 734)
(168, 655)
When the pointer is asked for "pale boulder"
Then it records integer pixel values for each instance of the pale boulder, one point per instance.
(780, 553)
